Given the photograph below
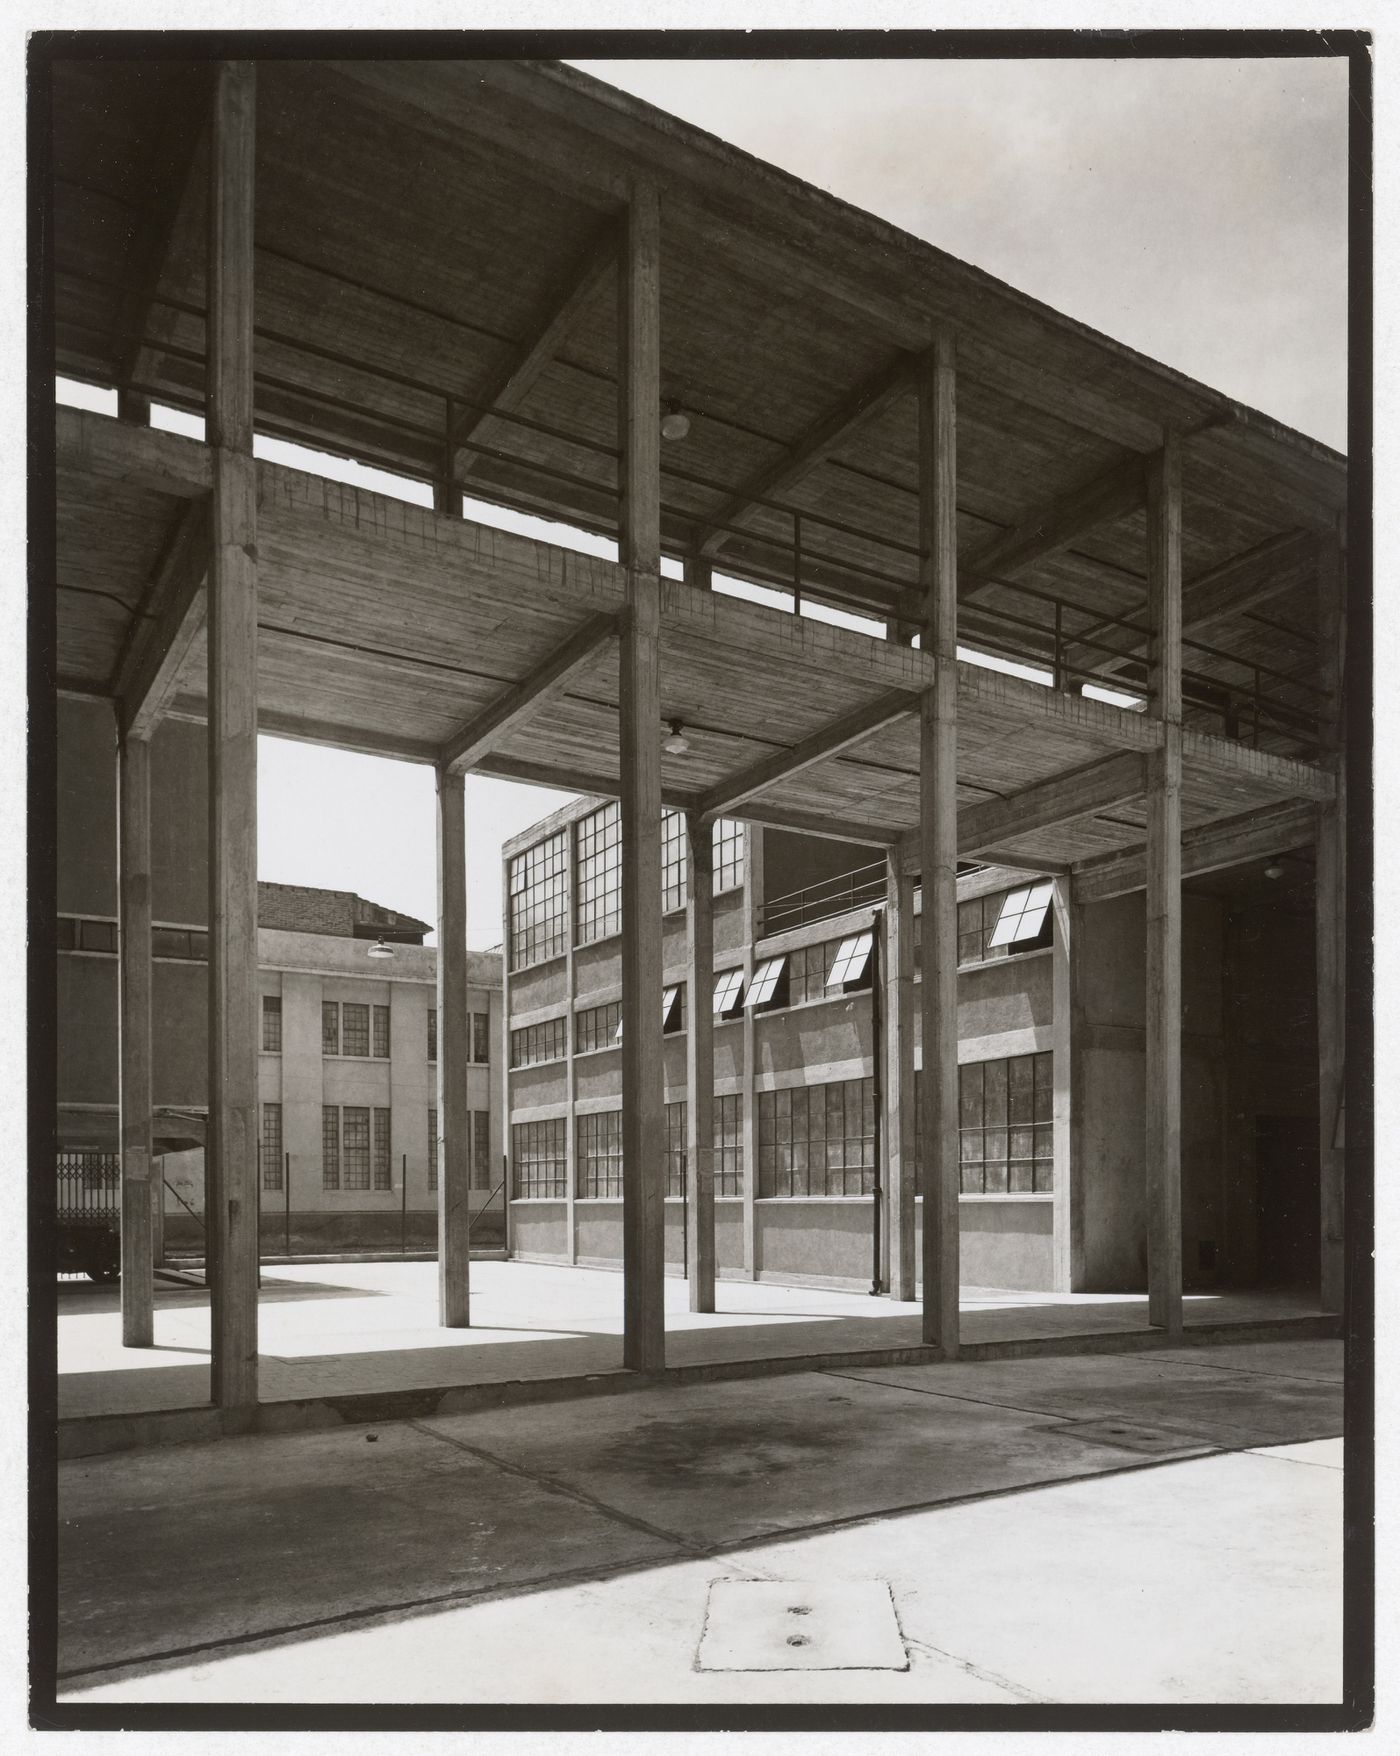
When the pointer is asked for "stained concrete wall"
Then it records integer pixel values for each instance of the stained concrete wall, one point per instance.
(1108, 964)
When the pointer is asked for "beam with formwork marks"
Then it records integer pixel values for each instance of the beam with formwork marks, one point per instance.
(813, 448)
(1236, 586)
(170, 621)
(1099, 786)
(560, 310)
(482, 734)
(1209, 847)
(832, 740)
(1056, 524)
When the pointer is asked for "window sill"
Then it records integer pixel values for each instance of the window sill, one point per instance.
(525, 1066)
(525, 969)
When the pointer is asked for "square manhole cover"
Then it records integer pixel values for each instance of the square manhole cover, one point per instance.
(780, 1625)
(1126, 1435)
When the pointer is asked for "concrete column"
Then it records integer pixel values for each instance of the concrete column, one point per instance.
(232, 1187)
(134, 902)
(897, 981)
(700, 1062)
(1163, 1042)
(753, 903)
(571, 1045)
(938, 844)
(1330, 909)
(643, 1093)
(1068, 1208)
(454, 1056)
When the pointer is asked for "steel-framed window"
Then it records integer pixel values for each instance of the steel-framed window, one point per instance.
(383, 1150)
(808, 969)
(981, 938)
(432, 1033)
(354, 1028)
(768, 989)
(538, 1162)
(674, 883)
(851, 967)
(354, 1147)
(1006, 1134)
(817, 1139)
(182, 944)
(538, 901)
(481, 1149)
(270, 1146)
(330, 1028)
(272, 1024)
(599, 1136)
(533, 1043)
(1022, 917)
(596, 1027)
(432, 1151)
(481, 1036)
(729, 1144)
(599, 873)
(330, 1147)
(728, 846)
(676, 1117)
(673, 1009)
(381, 1032)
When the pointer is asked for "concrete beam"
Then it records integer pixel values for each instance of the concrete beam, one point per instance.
(486, 731)
(1097, 787)
(1209, 847)
(134, 1032)
(818, 443)
(1056, 524)
(173, 616)
(831, 741)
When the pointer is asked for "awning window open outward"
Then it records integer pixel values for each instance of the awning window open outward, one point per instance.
(852, 961)
(765, 988)
(1022, 916)
(729, 987)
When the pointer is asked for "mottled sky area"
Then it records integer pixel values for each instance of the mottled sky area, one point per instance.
(1195, 210)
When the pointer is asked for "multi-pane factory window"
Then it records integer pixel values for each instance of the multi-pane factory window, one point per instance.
(673, 860)
(852, 966)
(1006, 1136)
(432, 1033)
(673, 1009)
(729, 1145)
(599, 872)
(817, 1139)
(272, 1024)
(354, 1029)
(354, 1147)
(481, 1150)
(533, 1043)
(330, 1147)
(383, 1165)
(728, 845)
(381, 1032)
(769, 989)
(184, 944)
(596, 1027)
(537, 1153)
(270, 1146)
(675, 1147)
(1002, 924)
(808, 969)
(432, 1151)
(330, 1028)
(599, 1153)
(539, 919)
(481, 1036)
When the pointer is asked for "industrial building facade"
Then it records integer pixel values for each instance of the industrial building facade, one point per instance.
(348, 1131)
(805, 1138)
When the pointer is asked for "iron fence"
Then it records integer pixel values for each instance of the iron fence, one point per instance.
(89, 1187)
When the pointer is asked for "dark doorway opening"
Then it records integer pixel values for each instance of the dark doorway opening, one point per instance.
(1288, 1186)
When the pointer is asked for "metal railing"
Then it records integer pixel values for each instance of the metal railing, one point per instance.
(89, 1187)
(818, 902)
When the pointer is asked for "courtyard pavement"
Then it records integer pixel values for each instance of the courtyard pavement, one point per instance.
(1145, 1527)
(331, 1329)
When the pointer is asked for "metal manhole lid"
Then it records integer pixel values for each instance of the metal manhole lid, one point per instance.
(800, 1625)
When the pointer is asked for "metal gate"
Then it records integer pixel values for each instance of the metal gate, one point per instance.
(89, 1188)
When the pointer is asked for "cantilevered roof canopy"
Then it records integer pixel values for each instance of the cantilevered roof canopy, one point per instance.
(435, 274)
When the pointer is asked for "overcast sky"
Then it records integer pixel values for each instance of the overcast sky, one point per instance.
(1195, 210)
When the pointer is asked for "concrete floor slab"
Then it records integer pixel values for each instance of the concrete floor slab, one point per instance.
(359, 1328)
(801, 1625)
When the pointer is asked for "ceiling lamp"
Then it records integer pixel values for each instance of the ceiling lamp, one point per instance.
(676, 742)
(675, 423)
(380, 949)
(1274, 869)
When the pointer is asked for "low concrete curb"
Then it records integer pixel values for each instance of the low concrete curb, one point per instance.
(93, 1435)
